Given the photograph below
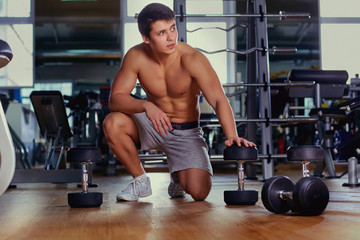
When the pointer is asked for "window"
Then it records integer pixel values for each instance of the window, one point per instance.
(16, 28)
(340, 33)
(15, 8)
(64, 87)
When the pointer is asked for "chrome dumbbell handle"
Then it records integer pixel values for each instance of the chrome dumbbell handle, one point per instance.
(84, 177)
(241, 174)
(305, 168)
(284, 195)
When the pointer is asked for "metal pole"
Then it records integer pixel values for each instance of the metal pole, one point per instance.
(263, 77)
(352, 173)
(281, 15)
(251, 101)
(180, 10)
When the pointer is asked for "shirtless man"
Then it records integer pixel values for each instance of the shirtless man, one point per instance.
(173, 75)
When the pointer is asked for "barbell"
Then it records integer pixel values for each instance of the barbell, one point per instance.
(281, 15)
(273, 50)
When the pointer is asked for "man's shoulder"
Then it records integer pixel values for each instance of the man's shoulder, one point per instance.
(186, 48)
(135, 55)
(190, 55)
(188, 52)
(138, 49)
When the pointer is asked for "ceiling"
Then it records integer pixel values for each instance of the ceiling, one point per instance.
(62, 26)
(80, 40)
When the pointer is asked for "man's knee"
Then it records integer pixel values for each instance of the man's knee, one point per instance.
(109, 123)
(199, 194)
(116, 124)
(197, 183)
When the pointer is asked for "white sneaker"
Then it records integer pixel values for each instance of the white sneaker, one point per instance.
(138, 188)
(175, 190)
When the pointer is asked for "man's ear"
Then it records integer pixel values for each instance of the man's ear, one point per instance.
(145, 39)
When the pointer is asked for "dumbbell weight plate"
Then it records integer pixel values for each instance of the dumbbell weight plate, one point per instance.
(305, 153)
(311, 196)
(235, 152)
(241, 197)
(85, 200)
(86, 154)
(270, 194)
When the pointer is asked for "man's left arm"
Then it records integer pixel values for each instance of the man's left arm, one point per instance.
(208, 81)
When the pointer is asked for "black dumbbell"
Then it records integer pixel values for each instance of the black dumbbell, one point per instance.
(240, 196)
(84, 198)
(309, 196)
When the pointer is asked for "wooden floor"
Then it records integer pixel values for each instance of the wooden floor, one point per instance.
(40, 211)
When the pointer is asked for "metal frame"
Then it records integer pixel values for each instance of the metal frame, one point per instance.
(229, 8)
(281, 15)
(264, 92)
(180, 7)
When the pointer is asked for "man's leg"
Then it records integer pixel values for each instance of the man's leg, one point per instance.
(122, 136)
(196, 182)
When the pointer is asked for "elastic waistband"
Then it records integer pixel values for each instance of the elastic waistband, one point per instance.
(186, 125)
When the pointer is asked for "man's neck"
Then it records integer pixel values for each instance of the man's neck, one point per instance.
(164, 59)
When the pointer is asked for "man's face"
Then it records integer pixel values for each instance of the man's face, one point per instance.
(163, 36)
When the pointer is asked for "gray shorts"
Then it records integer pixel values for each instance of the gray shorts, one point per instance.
(184, 148)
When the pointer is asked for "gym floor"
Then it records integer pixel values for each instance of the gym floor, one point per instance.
(40, 211)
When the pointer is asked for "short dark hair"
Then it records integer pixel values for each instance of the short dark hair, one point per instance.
(152, 13)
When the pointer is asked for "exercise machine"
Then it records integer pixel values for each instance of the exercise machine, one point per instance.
(54, 127)
(7, 151)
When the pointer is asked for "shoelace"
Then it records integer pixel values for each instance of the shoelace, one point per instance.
(135, 187)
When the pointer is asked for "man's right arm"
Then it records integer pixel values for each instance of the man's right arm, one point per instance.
(123, 84)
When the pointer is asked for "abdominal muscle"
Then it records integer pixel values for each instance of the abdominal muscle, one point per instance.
(178, 110)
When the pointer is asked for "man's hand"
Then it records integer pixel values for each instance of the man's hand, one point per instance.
(239, 141)
(158, 118)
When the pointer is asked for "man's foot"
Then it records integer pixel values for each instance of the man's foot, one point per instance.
(175, 190)
(137, 188)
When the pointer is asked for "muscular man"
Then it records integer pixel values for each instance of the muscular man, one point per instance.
(173, 75)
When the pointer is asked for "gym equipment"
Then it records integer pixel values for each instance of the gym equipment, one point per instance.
(5, 53)
(7, 154)
(309, 196)
(257, 60)
(273, 50)
(257, 19)
(281, 15)
(354, 86)
(84, 199)
(52, 119)
(50, 113)
(329, 84)
(219, 28)
(84, 109)
(352, 173)
(273, 197)
(240, 196)
(7, 150)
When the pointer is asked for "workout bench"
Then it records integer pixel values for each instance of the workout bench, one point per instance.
(54, 126)
(329, 84)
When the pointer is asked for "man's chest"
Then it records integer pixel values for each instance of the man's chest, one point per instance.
(172, 81)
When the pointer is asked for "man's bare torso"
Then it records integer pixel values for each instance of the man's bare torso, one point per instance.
(170, 86)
